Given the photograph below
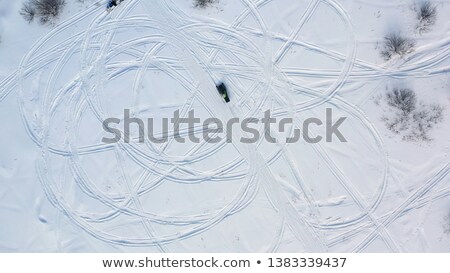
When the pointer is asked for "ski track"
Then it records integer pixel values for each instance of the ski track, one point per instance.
(176, 31)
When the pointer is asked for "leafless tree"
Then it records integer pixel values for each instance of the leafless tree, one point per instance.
(427, 15)
(203, 3)
(396, 44)
(45, 10)
(28, 11)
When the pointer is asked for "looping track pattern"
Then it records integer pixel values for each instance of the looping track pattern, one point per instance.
(191, 55)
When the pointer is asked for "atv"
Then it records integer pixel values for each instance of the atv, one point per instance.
(223, 91)
(112, 4)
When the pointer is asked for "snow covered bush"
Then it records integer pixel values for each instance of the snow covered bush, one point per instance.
(403, 99)
(203, 3)
(426, 14)
(28, 11)
(410, 118)
(396, 44)
(424, 120)
(45, 10)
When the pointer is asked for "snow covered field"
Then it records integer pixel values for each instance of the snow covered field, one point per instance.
(387, 189)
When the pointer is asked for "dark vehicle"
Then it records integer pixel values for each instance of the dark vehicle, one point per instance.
(223, 91)
(113, 3)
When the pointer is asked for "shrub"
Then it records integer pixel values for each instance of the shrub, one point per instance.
(49, 9)
(403, 99)
(28, 11)
(46, 10)
(396, 44)
(426, 14)
(410, 118)
(203, 3)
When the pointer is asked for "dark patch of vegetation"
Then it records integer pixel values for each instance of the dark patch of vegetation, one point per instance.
(403, 99)
(396, 44)
(203, 3)
(410, 118)
(427, 15)
(45, 10)
(28, 12)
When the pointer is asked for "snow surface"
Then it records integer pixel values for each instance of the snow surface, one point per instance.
(63, 190)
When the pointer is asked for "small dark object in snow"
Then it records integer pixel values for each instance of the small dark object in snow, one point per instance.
(223, 91)
(113, 3)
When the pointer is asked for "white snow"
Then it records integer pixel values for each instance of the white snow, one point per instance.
(63, 190)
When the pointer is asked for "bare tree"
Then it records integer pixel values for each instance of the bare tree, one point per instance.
(28, 11)
(427, 15)
(396, 44)
(203, 3)
(403, 99)
(49, 9)
(409, 117)
(46, 10)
